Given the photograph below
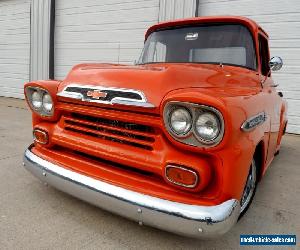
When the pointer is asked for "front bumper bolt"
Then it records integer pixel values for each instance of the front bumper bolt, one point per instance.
(200, 230)
(139, 210)
(140, 223)
(44, 174)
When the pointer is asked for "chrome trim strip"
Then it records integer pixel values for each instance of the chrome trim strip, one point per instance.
(129, 102)
(190, 220)
(117, 100)
(254, 121)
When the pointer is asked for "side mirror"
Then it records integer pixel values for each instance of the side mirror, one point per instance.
(275, 63)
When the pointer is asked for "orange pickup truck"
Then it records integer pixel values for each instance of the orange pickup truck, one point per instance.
(177, 141)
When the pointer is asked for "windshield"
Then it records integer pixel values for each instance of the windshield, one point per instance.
(219, 43)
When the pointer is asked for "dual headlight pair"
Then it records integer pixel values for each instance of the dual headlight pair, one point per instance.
(40, 100)
(194, 124)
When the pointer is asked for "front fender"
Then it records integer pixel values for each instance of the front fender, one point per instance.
(237, 147)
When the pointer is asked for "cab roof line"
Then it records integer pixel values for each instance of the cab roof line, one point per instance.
(252, 25)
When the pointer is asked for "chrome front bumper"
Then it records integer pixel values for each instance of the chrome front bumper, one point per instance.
(179, 218)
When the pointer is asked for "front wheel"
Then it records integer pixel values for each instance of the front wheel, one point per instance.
(249, 189)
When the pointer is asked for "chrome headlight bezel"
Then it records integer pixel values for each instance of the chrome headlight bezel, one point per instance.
(192, 137)
(42, 111)
(189, 125)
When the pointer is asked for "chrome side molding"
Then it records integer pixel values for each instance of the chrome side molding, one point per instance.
(254, 121)
(105, 95)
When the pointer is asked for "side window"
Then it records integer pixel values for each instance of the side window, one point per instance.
(264, 55)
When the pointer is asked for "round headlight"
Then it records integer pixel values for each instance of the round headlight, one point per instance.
(180, 121)
(47, 103)
(36, 99)
(207, 126)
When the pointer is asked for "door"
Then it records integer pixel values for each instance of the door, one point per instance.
(272, 99)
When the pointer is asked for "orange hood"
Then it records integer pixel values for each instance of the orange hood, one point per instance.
(157, 80)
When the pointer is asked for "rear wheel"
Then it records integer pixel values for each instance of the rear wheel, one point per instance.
(249, 189)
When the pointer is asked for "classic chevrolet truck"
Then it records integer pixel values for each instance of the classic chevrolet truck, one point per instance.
(177, 141)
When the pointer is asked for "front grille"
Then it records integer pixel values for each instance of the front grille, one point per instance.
(135, 135)
(113, 164)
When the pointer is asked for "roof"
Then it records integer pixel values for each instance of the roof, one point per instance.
(252, 25)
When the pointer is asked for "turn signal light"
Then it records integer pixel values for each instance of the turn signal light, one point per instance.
(40, 136)
(181, 176)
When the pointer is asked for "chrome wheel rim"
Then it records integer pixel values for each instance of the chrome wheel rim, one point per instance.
(249, 187)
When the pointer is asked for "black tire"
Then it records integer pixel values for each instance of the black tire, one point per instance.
(246, 200)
